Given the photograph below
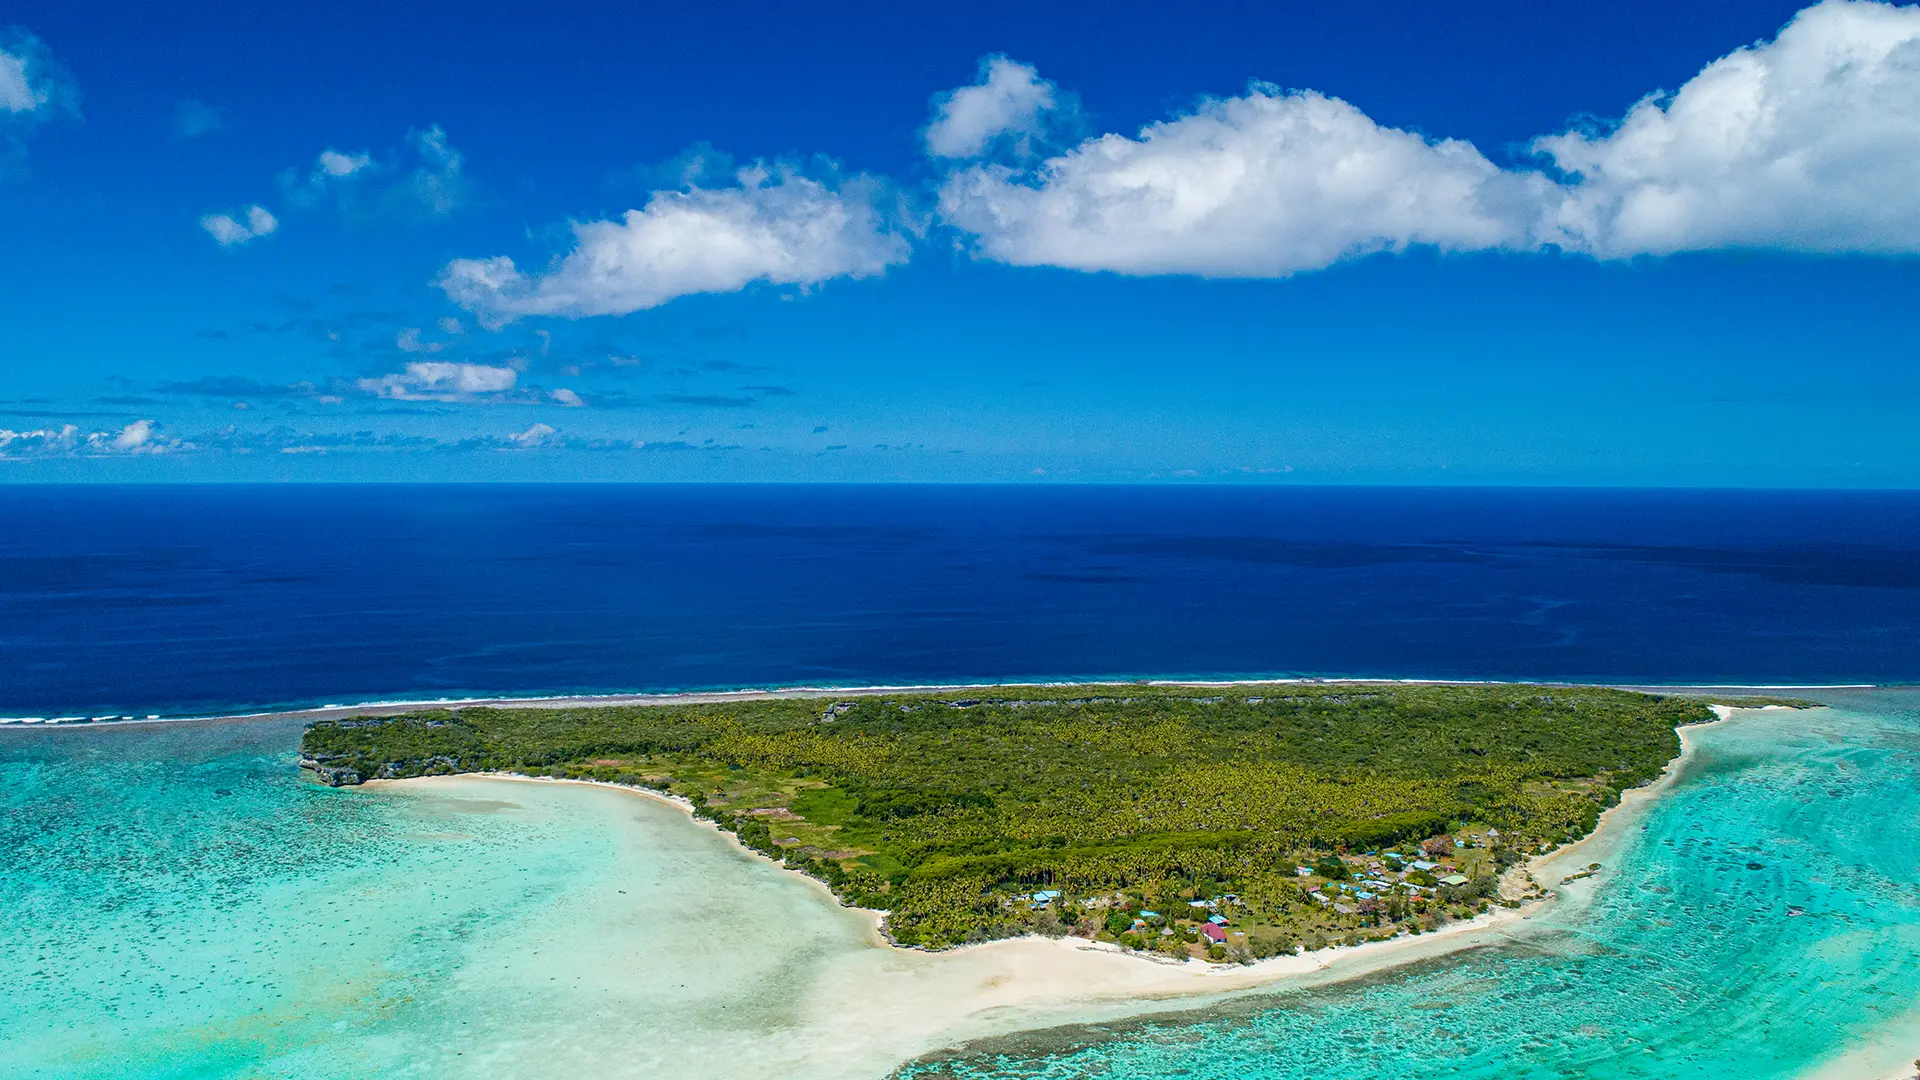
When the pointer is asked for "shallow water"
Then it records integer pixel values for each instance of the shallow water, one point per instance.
(176, 902)
(1681, 959)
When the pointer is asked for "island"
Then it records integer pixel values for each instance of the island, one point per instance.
(1221, 823)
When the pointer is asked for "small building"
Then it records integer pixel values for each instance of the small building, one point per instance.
(1455, 880)
(1214, 934)
(1217, 920)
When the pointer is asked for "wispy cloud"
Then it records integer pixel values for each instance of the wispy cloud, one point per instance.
(32, 83)
(440, 380)
(237, 386)
(773, 224)
(426, 178)
(712, 401)
(239, 226)
(437, 381)
(438, 185)
(411, 339)
(34, 88)
(147, 438)
(193, 118)
(535, 435)
(142, 437)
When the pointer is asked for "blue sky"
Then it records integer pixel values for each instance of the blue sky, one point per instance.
(1666, 244)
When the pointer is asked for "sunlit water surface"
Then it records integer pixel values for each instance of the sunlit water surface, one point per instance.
(176, 902)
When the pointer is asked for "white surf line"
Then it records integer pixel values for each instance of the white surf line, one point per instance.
(642, 697)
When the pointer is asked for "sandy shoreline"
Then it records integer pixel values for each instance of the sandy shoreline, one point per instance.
(1908, 1071)
(926, 1002)
(1895, 1059)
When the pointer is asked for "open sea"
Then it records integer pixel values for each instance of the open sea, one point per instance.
(177, 902)
(182, 600)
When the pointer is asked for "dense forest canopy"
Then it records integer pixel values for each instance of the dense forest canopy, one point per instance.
(951, 809)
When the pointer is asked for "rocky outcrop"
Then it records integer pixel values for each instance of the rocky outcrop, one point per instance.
(340, 770)
(332, 775)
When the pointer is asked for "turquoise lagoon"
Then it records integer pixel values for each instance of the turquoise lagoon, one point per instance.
(175, 901)
(178, 902)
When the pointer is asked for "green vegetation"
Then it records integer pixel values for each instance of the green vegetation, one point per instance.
(1753, 701)
(1130, 813)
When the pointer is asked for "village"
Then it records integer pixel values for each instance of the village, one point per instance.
(1338, 899)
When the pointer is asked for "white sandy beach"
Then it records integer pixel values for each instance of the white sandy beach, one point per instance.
(889, 1005)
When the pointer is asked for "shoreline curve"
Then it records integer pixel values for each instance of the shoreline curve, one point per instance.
(970, 992)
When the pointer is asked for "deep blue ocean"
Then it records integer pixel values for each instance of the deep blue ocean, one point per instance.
(179, 600)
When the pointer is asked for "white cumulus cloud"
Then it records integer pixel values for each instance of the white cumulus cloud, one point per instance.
(1011, 99)
(1809, 142)
(773, 225)
(441, 380)
(239, 226)
(134, 435)
(1261, 185)
(410, 339)
(39, 441)
(571, 400)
